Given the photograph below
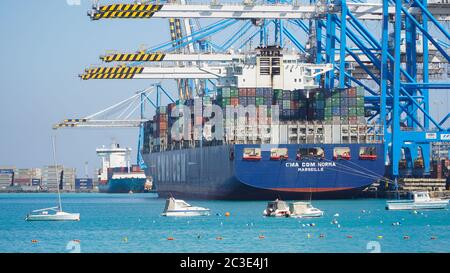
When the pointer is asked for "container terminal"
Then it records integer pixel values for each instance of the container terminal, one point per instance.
(290, 99)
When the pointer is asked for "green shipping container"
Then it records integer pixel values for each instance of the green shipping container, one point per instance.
(278, 93)
(226, 92)
(360, 111)
(335, 102)
(335, 94)
(259, 101)
(360, 102)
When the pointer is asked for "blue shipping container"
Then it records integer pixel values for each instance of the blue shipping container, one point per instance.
(84, 183)
(6, 171)
(35, 182)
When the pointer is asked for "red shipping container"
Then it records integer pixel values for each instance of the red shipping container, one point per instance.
(352, 92)
(162, 126)
(242, 92)
(251, 92)
(22, 181)
(198, 120)
(439, 170)
(234, 101)
(294, 105)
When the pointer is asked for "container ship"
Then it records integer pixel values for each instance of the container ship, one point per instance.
(117, 175)
(292, 140)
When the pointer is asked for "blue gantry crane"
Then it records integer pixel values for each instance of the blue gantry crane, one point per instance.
(391, 48)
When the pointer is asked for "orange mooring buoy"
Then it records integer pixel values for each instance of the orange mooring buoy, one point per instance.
(219, 238)
(261, 237)
(227, 214)
(34, 241)
(170, 238)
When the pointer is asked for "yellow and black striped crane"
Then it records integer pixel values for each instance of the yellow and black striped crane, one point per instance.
(125, 114)
(125, 11)
(118, 72)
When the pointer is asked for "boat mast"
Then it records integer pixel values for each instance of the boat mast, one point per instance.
(56, 168)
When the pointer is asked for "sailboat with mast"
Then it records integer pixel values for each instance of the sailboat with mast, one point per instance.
(53, 213)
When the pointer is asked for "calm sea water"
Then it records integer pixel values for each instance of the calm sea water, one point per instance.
(132, 223)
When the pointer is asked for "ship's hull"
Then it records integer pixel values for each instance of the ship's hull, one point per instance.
(124, 185)
(220, 172)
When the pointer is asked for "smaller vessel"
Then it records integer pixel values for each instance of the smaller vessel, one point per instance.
(59, 214)
(176, 207)
(304, 210)
(417, 200)
(117, 174)
(277, 208)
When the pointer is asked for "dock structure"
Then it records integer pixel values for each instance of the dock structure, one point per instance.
(427, 184)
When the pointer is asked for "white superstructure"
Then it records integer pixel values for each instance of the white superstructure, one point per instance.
(113, 157)
(274, 68)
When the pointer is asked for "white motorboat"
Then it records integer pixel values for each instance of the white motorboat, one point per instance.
(304, 210)
(52, 214)
(277, 208)
(176, 207)
(417, 200)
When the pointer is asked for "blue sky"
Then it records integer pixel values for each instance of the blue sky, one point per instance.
(44, 46)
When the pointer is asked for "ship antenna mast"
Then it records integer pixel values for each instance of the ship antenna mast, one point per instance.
(56, 173)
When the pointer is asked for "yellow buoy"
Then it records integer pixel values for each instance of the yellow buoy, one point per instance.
(125, 239)
(380, 237)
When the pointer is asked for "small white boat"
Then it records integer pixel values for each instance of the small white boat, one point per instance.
(53, 213)
(176, 207)
(57, 215)
(276, 208)
(304, 210)
(417, 200)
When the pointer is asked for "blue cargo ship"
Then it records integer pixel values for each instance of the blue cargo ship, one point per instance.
(123, 183)
(117, 175)
(284, 135)
(228, 172)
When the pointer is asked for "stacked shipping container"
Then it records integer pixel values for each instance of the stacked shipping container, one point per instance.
(84, 184)
(6, 177)
(51, 177)
(339, 106)
(27, 177)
